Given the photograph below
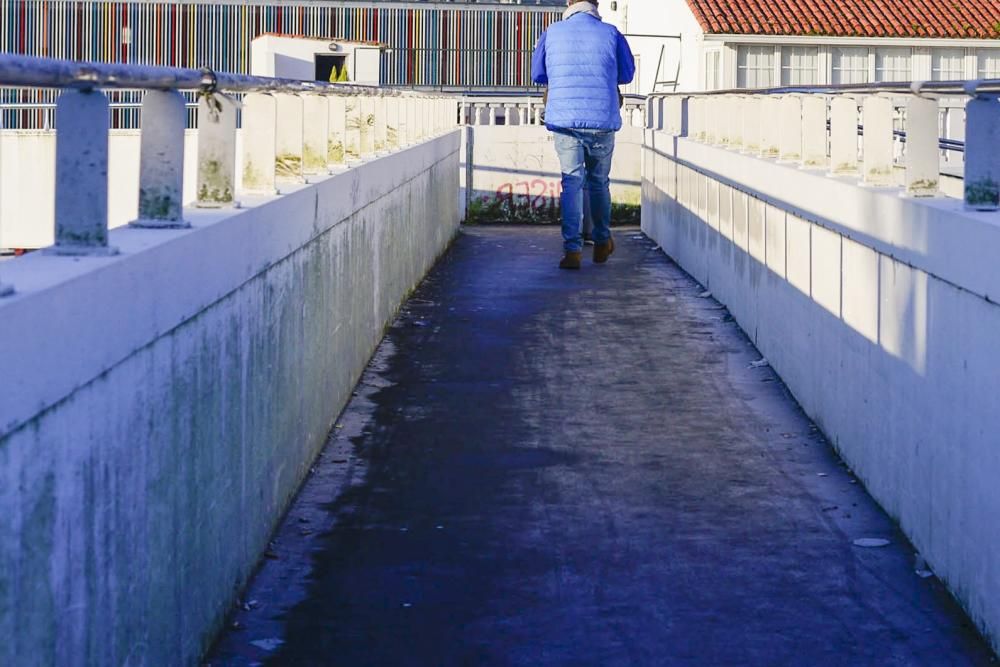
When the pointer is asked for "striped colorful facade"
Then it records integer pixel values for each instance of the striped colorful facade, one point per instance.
(434, 45)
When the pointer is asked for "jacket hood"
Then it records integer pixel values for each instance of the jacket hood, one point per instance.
(581, 8)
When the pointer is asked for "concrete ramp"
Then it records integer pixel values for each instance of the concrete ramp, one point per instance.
(584, 468)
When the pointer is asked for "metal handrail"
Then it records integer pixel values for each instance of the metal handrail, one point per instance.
(971, 87)
(31, 72)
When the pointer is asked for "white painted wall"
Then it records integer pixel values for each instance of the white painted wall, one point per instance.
(160, 407)
(879, 312)
(521, 162)
(666, 17)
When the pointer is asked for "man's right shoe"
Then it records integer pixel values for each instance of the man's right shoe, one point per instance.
(571, 260)
(603, 250)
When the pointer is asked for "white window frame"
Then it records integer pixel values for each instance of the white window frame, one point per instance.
(982, 72)
(761, 50)
(782, 51)
(862, 52)
(952, 74)
(884, 51)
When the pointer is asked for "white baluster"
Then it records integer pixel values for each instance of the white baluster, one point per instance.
(877, 141)
(260, 126)
(843, 135)
(216, 151)
(982, 157)
(923, 158)
(161, 161)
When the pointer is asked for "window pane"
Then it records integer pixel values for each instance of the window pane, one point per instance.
(948, 64)
(989, 64)
(892, 65)
(850, 65)
(755, 66)
(798, 65)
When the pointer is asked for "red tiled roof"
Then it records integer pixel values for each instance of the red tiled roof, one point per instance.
(851, 18)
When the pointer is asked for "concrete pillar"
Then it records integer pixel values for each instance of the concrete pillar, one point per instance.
(366, 104)
(770, 109)
(81, 210)
(751, 124)
(381, 125)
(289, 138)
(492, 116)
(923, 158)
(734, 120)
(402, 123)
(315, 131)
(790, 128)
(436, 117)
(525, 113)
(877, 141)
(216, 151)
(982, 157)
(161, 161)
(711, 113)
(424, 117)
(392, 109)
(336, 145)
(696, 119)
(683, 117)
(352, 131)
(260, 148)
(412, 130)
(843, 135)
(814, 131)
(450, 105)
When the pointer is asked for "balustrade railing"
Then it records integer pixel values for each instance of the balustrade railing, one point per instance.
(529, 109)
(907, 134)
(292, 129)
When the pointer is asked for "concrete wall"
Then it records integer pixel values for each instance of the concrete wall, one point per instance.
(518, 163)
(28, 174)
(880, 313)
(159, 408)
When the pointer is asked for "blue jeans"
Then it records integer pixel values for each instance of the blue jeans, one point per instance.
(585, 161)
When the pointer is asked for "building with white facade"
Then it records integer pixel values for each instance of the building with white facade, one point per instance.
(693, 45)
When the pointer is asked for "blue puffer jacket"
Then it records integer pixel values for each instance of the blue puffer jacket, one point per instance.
(582, 60)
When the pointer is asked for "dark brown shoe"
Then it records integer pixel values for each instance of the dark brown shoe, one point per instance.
(603, 250)
(571, 260)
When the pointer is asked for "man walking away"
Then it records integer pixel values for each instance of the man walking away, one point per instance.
(583, 61)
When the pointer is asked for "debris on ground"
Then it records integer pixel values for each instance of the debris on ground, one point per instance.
(705, 295)
(760, 363)
(871, 542)
(920, 567)
(268, 644)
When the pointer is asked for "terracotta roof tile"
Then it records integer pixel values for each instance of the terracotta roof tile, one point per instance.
(848, 18)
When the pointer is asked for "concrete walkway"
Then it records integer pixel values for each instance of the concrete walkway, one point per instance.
(555, 468)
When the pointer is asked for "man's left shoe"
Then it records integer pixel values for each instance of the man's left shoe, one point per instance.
(603, 250)
(570, 260)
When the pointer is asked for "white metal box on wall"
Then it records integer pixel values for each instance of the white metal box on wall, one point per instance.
(314, 59)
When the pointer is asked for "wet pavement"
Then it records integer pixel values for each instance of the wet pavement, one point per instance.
(544, 467)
